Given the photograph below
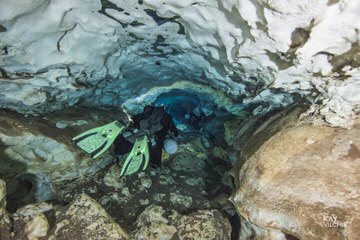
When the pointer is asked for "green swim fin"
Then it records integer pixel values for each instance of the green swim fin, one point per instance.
(138, 157)
(97, 140)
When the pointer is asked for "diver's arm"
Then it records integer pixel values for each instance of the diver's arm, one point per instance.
(137, 117)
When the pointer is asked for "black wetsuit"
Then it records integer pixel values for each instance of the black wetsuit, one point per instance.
(156, 123)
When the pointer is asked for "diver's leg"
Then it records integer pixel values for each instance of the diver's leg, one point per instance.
(122, 146)
(155, 156)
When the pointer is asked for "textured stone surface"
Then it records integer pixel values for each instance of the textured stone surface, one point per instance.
(37, 152)
(151, 224)
(253, 132)
(30, 221)
(204, 224)
(31, 209)
(182, 200)
(90, 221)
(238, 47)
(37, 227)
(84, 218)
(304, 182)
(5, 220)
(156, 223)
(2, 194)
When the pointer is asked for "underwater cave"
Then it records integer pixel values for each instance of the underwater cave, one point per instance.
(179, 120)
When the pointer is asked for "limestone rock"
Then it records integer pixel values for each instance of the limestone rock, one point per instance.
(37, 227)
(89, 220)
(112, 178)
(303, 182)
(159, 197)
(32, 209)
(146, 182)
(45, 155)
(204, 224)
(151, 224)
(2, 194)
(166, 179)
(253, 132)
(5, 221)
(236, 50)
(188, 162)
(178, 199)
(60, 225)
(157, 223)
(195, 182)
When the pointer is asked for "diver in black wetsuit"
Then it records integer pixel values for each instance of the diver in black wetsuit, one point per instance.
(157, 124)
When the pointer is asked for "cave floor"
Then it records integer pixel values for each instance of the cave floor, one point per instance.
(193, 179)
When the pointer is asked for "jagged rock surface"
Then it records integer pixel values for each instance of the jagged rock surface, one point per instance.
(84, 218)
(88, 220)
(238, 47)
(156, 223)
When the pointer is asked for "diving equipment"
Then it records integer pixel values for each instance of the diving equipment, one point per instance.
(138, 158)
(170, 146)
(97, 140)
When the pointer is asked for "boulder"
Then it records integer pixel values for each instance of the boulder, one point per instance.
(157, 223)
(86, 218)
(151, 224)
(203, 224)
(303, 183)
(37, 227)
(5, 222)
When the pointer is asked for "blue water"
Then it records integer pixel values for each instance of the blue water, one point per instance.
(178, 102)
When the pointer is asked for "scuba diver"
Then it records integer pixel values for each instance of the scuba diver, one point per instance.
(144, 139)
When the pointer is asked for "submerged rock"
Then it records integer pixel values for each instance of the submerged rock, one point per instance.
(151, 224)
(181, 200)
(90, 221)
(37, 227)
(188, 162)
(38, 157)
(146, 182)
(304, 183)
(30, 221)
(5, 220)
(112, 178)
(2, 194)
(32, 209)
(157, 223)
(203, 224)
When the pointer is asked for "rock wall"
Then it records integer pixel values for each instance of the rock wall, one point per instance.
(59, 53)
(257, 129)
(38, 152)
(303, 183)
